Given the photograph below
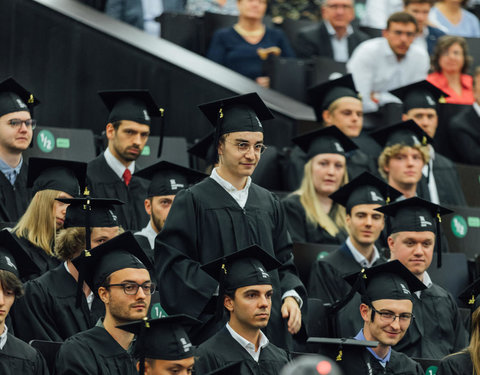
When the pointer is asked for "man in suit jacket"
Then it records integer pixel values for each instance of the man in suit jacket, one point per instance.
(464, 129)
(334, 37)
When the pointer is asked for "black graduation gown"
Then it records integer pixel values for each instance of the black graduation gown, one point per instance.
(48, 311)
(456, 364)
(104, 183)
(93, 352)
(222, 349)
(303, 230)
(15, 199)
(437, 329)
(448, 182)
(43, 261)
(206, 223)
(17, 358)
(360, 361)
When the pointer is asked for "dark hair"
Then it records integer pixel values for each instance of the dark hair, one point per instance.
(402, 17)
(116, 124)
(231, 294)
(9, 281)
(444, 43)
(408, 2)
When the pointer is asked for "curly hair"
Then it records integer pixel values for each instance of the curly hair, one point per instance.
(390, 151)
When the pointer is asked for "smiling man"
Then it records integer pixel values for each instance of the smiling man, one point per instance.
(438, 328)
(116, 272)
(127, 131)
(16, 131)
(223, 214)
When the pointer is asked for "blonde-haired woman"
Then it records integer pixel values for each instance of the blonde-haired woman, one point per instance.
(311, 215)
(37, 228)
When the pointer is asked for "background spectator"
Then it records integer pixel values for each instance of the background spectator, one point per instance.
(378, 11)
(449, 15)
(198, 7)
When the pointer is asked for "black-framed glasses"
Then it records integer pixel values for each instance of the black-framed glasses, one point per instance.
(244, 147)
(389, 316)
(17, 123)
(132, 288)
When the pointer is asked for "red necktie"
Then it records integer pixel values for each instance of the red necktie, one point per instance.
(127, 176)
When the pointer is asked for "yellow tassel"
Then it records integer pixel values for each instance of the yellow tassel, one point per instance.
(161, 111)
(471, 301)
(31, 99)
(224, 268)
(339, 356)
(220, 112)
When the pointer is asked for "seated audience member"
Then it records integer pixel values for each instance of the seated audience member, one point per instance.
(245, 292)
(454, 20)
(360, 197)
(162, 346)
(376, 12)
(466, 361)
(427, 35)
(244, 47)
(110, 174)
(420, 103)
(387, 310)
(129, 11)
(116, 272)
(450, 63)
(199, 7)
(404, 155)
(463, 130)
(396, 62)
(413, 233)
(294, 10)
(36, 229)
(311, 214)
(166, 180)
(16, 131)
(333, 37)
(50, 310)
(16, 357)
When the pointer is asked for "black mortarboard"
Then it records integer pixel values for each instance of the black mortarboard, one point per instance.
(329, 140)
(420, 94)
(100, 212)
(168, 178)
(236, 114)
(365, 189)
(407, 133)
(415, 215)
(14, 97)
(391, 280)
(14, 258)
(340, 344)
(204, 148)
(470, 293)
(234, 368)
(163, 338)
(324, 94)
(122, 251)
(133, 105)
(62, 175)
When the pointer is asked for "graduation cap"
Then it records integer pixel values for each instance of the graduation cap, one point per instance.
(14, 258)
(420, 94)
(407, 133)
(234, 368)
(14, 97)
(204, 148)
(133, 105)
(168, 178)
(329, 140)
(416, 215)
(365, 189)
(342, 343)
(236, 114)
(470, 293)
(122, 251)
(62, 175)
(324, 94)
(391, 280)
(163, 338)
(311, 364)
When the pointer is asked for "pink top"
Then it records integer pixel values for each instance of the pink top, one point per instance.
(439, 80)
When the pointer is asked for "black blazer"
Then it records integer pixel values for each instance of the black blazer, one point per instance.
(314, 40)
(464, 135)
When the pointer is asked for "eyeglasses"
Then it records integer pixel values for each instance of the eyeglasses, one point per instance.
(17, 123)
(409, 34)
(389, 317)
(339, 6)
(244, 147)
(132, 288)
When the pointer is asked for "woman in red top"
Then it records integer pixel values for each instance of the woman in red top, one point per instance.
(450, 62)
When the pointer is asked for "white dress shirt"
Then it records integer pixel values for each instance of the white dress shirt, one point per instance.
(378, 11)
(432, 185)
(339, 45)
(151, 10)
(150, 233)
(375, 68)
(427, 281)
(117, 167)
(3, 337)
(247, 345)
(359, 257)
(90, 296)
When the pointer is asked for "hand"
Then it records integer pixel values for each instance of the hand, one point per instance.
(374, 98)
(263, 81)
(291, 310)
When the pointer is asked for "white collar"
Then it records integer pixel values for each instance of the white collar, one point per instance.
(117, 167)
(227, 185)
(359, 257)
(476, 107)
(331, 31)
(3, 337)
(247, 345)
(427, 281)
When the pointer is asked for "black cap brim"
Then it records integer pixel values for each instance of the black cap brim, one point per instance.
(9, 246)
(10, 92)
(420, 94)
(406, 132)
